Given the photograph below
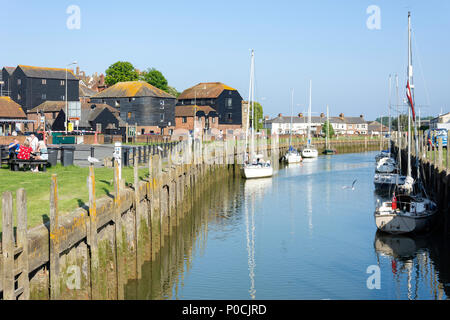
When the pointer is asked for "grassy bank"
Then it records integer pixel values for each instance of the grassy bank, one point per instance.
(72, 188)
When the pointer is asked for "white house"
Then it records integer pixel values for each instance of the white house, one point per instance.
(441, 122)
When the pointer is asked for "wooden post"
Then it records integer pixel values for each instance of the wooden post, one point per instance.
(54, 240)
(23, 280)
(118, 233)
(434, 148)
(440, 153)
(137, 216)
(8, 247)
(92, 236)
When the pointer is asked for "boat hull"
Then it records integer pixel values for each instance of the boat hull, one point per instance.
(310, 153)
(257, 172)
(401, 224)
(293, 158)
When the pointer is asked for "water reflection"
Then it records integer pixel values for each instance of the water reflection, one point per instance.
(415, 261)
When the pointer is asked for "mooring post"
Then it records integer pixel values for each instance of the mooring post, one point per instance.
(118, 233)
(23, 280)
(440, 153)
(54, 240)
(137, 219)
(8, 247)
(92, 236)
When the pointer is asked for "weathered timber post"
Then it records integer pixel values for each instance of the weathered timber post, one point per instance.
(23, 280)
(8, 247)
(447, 154)
(118, 233)
(54, 240)
(156, 210)
(92, 238)
(440, 153)
(434, 148)
(137, 219)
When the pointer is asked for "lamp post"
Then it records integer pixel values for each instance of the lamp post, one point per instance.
(67, 114)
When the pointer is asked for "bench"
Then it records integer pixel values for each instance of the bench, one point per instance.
(16, 164)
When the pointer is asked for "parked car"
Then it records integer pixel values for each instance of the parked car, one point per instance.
(436, 133)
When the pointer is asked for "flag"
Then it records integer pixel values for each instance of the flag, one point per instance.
(411, 103)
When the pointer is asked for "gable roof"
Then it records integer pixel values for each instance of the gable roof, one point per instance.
(47, 73)
(10, 70)
(204, 90)
(130, 89)
(304, 119)
(90, 111)
(188, 111)
(10, 109)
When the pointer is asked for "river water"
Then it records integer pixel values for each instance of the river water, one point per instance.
(298, 235)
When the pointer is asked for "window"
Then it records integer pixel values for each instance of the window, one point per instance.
(117, 104)
(129, 115)
(63, 97)
(44, 96)
(62, 82)
(193, 102)
(19, 97)
(229, 116)
(184, 119)
(19, 82)
(44, 81)
(161, 104)
(213, 120)
(162, 117)
(229, 102)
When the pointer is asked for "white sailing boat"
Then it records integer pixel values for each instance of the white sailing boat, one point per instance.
(255, 166)
(292, 155)
(309, 151)
(387, 172)
(411, 211)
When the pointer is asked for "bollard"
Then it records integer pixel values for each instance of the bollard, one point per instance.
(92, 152)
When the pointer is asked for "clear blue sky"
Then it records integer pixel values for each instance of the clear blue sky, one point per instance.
(294, 41)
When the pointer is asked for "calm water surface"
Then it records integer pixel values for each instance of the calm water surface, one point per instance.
(298, 235)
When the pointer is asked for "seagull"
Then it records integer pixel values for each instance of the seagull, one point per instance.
(92, 160)
(352, 187)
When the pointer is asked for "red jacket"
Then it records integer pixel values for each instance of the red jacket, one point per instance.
(24, 153)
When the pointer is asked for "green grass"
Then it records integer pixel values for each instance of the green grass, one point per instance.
(72, 188)
(431, 156)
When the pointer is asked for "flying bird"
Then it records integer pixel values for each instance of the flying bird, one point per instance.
(352, 187)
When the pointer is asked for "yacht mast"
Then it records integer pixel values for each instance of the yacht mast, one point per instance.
(327, 132)
(250, 107)
(390, 105)
(309, 113)
(398, 125)
(409, 81)
(292, 116)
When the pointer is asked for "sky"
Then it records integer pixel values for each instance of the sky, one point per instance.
(326, 41)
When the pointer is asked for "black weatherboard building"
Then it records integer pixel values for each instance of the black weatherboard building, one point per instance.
(140, 103)
(225, 100)
(30, 86)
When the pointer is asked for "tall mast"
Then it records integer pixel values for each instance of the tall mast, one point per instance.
(309, 113)
(390, 105)
(250, 92)
(292, 116)
(409, 80)
(327, 132)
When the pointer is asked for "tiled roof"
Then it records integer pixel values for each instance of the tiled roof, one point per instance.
(47, 73)
(188, 111)
(132, 89)
(84, 91)
(204, 90)
(10, 109)
(48, 106)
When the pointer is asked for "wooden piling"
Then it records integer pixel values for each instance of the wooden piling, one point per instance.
(92, 239)
(118, 233)
(54, 240)
(23, 281)
(8, 247)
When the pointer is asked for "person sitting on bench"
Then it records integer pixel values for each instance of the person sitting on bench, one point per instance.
(14, 149)
(25, 151)
(42, 153)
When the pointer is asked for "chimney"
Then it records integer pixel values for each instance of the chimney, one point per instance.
(322, 115)
(280, 115)
(341, 116)
(78, 70)
(300, 115)
(266, 118)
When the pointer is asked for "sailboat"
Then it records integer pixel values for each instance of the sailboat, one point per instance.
(292, 155)
(411, 210)
(387, 172)
(327, 150)
(255, 166)
(309, 151)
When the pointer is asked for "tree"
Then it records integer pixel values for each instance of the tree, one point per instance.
(330, 129)
(155, 78)
(258, 116)
(173, 91)
(119, 72)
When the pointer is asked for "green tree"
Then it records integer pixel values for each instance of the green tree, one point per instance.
(173, 91)
(258, 115)
(155, 78)
(330, 129)
(119, 72)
